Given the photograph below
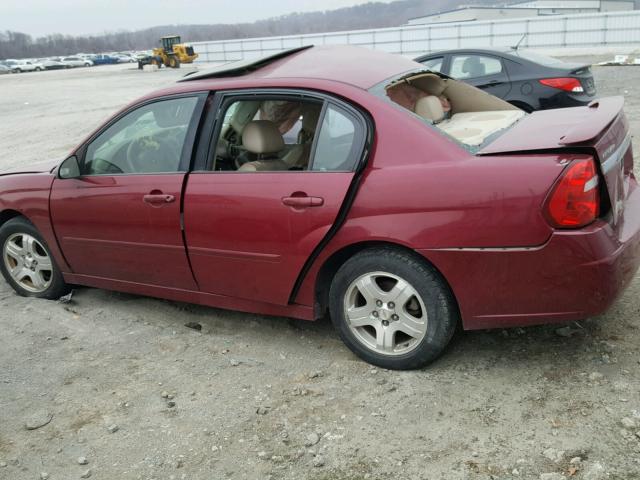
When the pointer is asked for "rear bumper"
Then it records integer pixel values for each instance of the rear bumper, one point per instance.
(574, 275)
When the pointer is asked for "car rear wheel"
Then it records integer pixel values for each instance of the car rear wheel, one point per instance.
(392, 308)
(27, 263)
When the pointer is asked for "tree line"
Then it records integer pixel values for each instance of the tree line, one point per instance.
(369, 15)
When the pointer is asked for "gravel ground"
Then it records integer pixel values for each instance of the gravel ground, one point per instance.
(115, 386)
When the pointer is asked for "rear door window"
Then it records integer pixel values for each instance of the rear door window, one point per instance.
(474, 66)
(337, 146)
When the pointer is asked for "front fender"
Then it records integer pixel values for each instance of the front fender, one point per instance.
(28, 194)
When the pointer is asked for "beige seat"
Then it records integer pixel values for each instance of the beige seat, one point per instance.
(263, 138)
(470, 128)
(473, 128)
(430, 108)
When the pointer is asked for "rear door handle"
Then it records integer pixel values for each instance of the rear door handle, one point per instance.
(303, 202)
(158, 198)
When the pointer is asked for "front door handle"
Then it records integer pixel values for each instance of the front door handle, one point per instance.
(158, 198)
(303, 201)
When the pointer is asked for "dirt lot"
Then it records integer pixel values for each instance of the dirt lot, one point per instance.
(129, 392)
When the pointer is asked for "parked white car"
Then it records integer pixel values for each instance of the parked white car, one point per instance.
(19, 66)
(76, 62)
(124, 58)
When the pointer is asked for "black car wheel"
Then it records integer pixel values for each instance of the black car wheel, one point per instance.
(392, 308)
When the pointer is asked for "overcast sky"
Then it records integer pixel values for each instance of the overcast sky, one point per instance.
(75, 17)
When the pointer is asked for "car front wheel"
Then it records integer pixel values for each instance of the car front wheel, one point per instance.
(27, 263)
(392, 308)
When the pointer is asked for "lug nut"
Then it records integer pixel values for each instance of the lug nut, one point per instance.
(392, 305)
(394, 317)
(385, 323)
(379, 303)
(375, 313)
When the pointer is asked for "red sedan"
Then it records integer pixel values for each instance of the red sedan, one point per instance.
(343, 181)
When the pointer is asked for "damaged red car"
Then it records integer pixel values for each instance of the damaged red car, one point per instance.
(340, 181)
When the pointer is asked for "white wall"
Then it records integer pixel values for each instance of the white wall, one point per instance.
(614, 31)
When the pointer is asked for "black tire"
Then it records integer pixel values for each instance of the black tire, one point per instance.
(441, 308)
(20, 225)
(174, 61)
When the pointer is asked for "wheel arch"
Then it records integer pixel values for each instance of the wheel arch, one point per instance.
(332, 264)
(8, 214)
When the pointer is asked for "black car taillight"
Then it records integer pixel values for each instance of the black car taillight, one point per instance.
(568, 84)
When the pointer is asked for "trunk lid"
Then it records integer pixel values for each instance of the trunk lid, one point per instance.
(601, 127)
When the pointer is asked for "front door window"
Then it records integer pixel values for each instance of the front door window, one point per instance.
(148, 140)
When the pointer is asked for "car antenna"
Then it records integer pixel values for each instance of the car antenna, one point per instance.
(519, 42)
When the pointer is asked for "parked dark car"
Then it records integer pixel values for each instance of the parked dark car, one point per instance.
(52, 64)
(104, 60)
(523, 78)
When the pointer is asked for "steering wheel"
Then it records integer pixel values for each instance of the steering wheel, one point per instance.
(152, 154)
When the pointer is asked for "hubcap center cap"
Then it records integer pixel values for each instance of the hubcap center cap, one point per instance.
(385, 313)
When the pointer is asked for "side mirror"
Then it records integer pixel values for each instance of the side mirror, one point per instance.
(70, 168)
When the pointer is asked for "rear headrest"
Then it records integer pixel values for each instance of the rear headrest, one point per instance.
(262, 136)
(473, 67)
(430, 108)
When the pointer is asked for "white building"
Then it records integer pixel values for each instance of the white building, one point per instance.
(524, 9)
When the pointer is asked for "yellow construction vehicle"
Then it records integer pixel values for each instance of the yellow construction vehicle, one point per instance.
(172, 53)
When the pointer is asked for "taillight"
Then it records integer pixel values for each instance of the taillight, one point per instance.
(567, 84)
(575, 200)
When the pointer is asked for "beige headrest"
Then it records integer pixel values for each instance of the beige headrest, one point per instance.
(430, 108)
(262, 136)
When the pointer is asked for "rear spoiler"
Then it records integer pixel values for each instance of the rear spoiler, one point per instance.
(556, 129)
(600, 114)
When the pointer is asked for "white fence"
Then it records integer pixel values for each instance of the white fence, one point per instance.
(612, 29)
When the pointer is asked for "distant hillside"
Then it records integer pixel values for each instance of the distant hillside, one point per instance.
(369, 15)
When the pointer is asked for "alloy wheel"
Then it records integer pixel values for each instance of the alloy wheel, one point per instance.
(385, 313)
(28, 263)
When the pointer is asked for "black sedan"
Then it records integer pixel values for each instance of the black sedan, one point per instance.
(525, 79)
(52, 64)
